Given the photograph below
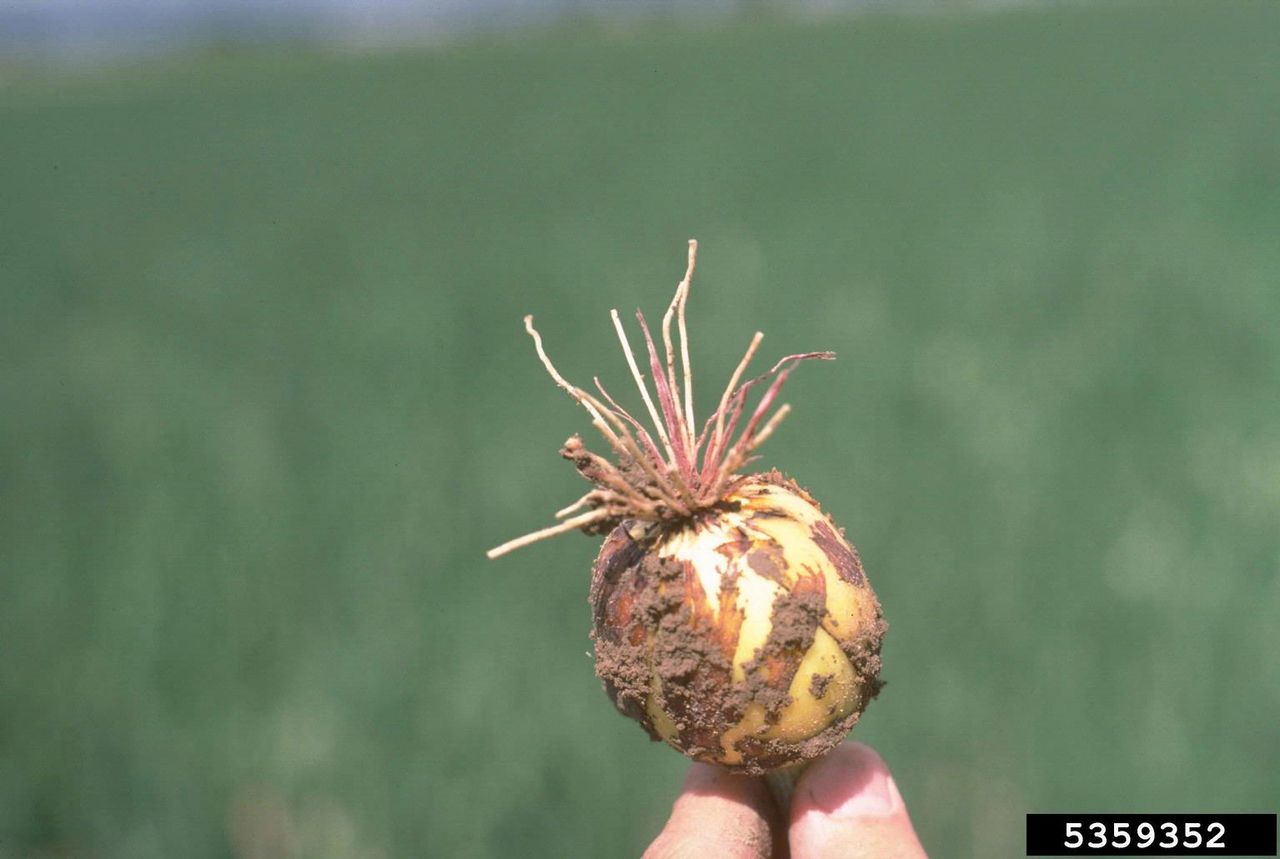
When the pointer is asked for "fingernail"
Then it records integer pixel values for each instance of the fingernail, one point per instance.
(878, 796)
(857, 784)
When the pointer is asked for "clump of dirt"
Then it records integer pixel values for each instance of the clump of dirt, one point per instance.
(653, 623)
(794, 619)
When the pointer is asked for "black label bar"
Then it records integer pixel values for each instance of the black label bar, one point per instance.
(1151, 835)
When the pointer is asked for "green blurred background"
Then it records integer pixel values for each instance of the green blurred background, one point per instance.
(266, 400)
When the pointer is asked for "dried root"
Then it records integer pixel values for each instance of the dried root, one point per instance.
(679, 473)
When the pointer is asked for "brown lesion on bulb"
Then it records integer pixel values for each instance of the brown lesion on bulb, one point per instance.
(618, 554)
(843, 557)
(767, 559)
(729, 626)
(734, 548)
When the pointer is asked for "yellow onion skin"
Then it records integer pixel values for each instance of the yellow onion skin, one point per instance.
(747, 636)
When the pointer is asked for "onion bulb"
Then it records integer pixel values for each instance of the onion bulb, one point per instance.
(731, 617)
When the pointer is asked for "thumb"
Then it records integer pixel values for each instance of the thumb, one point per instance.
(848, 805)
(718, 814)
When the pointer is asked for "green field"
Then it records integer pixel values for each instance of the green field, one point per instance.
(266, 400)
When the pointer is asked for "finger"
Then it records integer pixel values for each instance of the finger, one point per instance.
(848, 805)
(719, 814)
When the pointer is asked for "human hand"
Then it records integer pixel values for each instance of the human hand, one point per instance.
(845, 805)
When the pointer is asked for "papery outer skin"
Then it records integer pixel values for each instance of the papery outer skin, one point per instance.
(749, 638)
